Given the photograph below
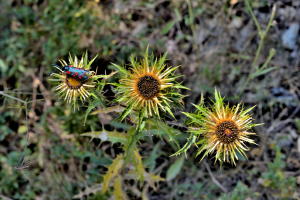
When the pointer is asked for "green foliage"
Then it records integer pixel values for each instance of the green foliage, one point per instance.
(5, 130)
(274, 178)
(175, 168)
(240, 192)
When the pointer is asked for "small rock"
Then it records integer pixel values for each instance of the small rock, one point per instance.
(285, 142)
(171, 46)
(295, 54)
(236, 22)
(298, 144)
(261, 181)
(296, 3)
(289, 36)
(293, 134)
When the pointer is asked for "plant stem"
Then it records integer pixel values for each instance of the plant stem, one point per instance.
(191, 20)
(132, 140)
(9, 96)
(254, 18)
(262, 37)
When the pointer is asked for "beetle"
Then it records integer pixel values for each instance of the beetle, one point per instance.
(76, 72)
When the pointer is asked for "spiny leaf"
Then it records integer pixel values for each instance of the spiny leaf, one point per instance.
(134, 137)
(118, 192)
(134, 63)
(89, 190)
(165, 129)
(139, 166)
(85, 59)
(126, 111)
(112, 136)
(121, 69)
(162, 61)
(113, 170)
(88, 66)
(152, 179)
(91, 106)
(71, 59)
(191, 140)
(149, 177)
(99, 98)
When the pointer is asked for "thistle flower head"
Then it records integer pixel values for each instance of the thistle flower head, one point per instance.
(148, 86)
(222, 129)
(75, 80)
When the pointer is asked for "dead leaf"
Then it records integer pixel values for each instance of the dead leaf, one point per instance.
(109, 110)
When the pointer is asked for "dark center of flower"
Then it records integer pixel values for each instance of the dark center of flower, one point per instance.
(73, 83)
(227, 132)
(148, 86)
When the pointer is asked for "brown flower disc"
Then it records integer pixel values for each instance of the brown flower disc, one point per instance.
(227, 132)
(148, 86)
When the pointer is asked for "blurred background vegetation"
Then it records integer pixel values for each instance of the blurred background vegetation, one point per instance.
(214, 42)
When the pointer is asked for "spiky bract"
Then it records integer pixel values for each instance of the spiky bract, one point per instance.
(222, 129)
(148, 86)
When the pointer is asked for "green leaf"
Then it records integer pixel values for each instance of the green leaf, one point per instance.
(209, 89)
(258, 73)
(297, 121)
(178, 15)
(3, 67)
(151, 160)
(175, 168)
(120, 125)
(168, 27)
(22, 129)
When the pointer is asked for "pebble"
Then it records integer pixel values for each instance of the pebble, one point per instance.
(290, 36)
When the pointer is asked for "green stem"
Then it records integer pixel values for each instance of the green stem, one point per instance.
(191, 20)
(132, 140)
(254, 18)
(262, 37)
(9, 96)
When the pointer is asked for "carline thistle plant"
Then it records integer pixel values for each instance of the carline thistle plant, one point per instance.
(148, 87)
(221, 129)
(75, 80)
